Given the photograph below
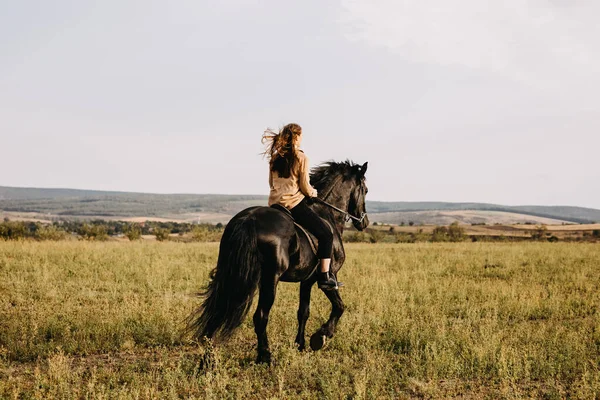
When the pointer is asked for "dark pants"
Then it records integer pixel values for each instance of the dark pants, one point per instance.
(309, 219)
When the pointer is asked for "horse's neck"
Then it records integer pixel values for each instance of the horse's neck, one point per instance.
(336, 196)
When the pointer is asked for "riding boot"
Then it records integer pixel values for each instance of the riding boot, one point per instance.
(327, 281)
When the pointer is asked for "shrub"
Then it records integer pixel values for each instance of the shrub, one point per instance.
(356, 237)
(376, 236)
(540, 232)
(456, 233)
(94, 232)
(405, 238)
(440, 234)
(420, 236)
(200, 234)
(49, 232)
(13, 230)
(596, 233)
(161, 234)
(133, 232)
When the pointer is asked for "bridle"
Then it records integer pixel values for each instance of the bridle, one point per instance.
(348, 215)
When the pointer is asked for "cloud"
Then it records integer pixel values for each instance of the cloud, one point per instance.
(542, 43)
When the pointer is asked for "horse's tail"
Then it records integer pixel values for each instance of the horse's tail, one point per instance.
(233, 282)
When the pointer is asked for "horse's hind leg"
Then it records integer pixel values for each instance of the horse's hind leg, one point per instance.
(268, 288)
(303, 312)
(327, 330)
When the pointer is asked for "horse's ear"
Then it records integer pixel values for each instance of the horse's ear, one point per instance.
(363, 169)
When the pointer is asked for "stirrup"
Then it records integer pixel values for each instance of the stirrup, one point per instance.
(330, 284)
(324, 286)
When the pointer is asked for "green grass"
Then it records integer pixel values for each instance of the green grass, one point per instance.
(104, 320)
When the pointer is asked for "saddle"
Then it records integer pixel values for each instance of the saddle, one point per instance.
(311, 239)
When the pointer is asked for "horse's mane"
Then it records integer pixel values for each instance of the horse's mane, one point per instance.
(322, 176)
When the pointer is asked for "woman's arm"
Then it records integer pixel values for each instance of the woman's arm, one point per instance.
(304, 177)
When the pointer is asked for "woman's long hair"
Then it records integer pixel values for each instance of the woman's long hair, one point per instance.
(281, 149)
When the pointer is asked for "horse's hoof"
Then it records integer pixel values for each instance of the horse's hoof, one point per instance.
(301, 345)
(317, 341)
(264, 358)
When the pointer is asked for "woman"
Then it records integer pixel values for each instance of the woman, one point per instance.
(290, 187)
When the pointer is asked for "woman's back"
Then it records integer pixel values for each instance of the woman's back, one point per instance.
(290, 191)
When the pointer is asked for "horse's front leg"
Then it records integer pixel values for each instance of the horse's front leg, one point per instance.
(268, 288)
(303, 312)
(317, 340)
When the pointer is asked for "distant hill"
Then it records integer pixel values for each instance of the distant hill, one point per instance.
(69, 202)
(72, 203)
(565, 213)
(469, 217)
(16, 193)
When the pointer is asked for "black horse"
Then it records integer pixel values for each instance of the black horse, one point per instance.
(261, 247)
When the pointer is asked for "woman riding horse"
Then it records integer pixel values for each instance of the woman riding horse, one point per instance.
(290, 187)
(261, 246)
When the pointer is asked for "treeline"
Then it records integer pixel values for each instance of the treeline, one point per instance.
(456, 233)
(452, 233)
(101, 230)
(104, 230)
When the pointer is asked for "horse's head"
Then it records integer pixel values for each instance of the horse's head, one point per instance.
(343, 185)
(358, 194)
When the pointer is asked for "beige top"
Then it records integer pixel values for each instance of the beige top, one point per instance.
(289, 192)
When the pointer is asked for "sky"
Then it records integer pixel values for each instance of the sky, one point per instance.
(466, 101)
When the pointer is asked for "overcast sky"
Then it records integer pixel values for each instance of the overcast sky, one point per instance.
(469, 100)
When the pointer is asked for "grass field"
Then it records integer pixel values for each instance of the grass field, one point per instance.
(471, 320)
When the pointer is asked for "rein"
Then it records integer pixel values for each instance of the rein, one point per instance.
(348, 215)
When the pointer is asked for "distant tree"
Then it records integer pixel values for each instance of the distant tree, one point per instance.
(456, 233)
(133, 232)
(93, 232)
(596, 233)
(161, 234)
(6, 219)
(411, 223)
(402, 223)
(219, 226)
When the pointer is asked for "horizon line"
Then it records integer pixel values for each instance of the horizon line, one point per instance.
(266, 195)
